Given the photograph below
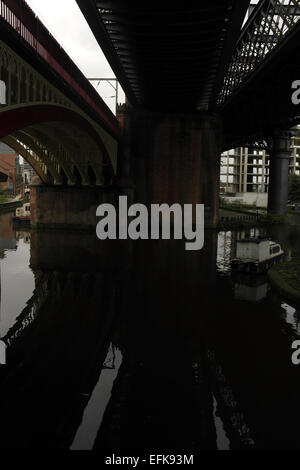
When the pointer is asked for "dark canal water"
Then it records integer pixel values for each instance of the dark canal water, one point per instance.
(143, 346)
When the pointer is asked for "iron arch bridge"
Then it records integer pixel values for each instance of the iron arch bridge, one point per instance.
(49, 112)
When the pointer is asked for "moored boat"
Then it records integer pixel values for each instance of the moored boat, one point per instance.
(256, 255)
(22, 216)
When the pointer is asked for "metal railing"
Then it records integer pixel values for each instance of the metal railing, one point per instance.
(19, 16)
(266, 27)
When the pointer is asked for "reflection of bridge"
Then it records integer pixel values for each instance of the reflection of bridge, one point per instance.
(29, 314)
(51, 373)
(58, 347)
(169, 389)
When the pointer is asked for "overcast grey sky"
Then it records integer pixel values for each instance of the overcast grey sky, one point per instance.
(64, 20)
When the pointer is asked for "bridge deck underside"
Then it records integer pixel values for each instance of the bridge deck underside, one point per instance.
(167, 56)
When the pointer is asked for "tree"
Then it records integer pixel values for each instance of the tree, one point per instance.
(294, 188)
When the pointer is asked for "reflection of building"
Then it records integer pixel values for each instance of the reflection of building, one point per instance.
(10, 172)
(245, 172)
(7, 235)
(25, 236)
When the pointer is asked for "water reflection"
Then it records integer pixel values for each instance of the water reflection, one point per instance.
(98, 401)
(225, 252)
(253, 335)
(7, 235)
(144, 346)
(250, 288)
(17, 280)
(291, 321)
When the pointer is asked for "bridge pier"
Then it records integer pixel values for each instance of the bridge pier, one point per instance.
(279, 172)
(61, 207)
(175, 159)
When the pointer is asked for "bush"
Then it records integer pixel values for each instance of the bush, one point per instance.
(236, 206)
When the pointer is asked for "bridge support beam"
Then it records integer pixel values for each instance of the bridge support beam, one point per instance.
(69, 207)
(279, 173)
(176, 159)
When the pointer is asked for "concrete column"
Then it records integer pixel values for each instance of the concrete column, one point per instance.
(240, 170)
(227, 170)
(279, 171)
(294, 159)
(263, 172)
(177, 159)
(245, 166)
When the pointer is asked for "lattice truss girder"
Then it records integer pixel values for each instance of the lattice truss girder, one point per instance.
(270, 22)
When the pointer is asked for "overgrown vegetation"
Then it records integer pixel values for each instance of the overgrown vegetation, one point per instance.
(237, 206)
(26, 198)
(3, 197)
(261, 220)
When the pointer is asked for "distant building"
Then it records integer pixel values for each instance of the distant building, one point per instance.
(27, 173)
(10, 171)
(245, 172)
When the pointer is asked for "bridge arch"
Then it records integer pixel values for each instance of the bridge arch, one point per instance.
(51, 138)
(30, 157)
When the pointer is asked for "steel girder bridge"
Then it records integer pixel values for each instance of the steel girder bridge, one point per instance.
(173, 61)
(202, 60)
(196, 58)
(49, 113)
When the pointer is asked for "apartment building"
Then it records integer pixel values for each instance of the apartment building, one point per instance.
(245, 172)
